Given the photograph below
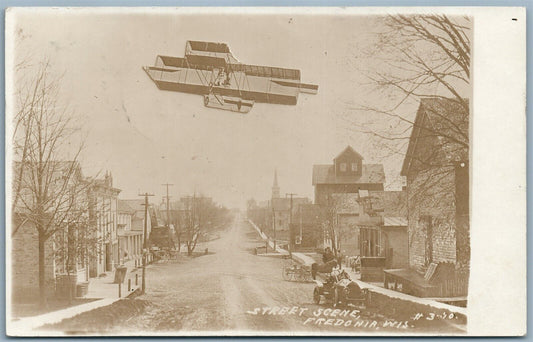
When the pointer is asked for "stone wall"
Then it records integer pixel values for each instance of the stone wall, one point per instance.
(431, 201)
(403, 309)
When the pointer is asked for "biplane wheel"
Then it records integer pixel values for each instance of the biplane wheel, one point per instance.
(206, 100)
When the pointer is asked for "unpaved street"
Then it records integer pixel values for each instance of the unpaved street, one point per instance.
(231, 289)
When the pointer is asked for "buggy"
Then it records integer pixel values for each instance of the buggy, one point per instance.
(161, 243)
(294, 272)
(339, 289)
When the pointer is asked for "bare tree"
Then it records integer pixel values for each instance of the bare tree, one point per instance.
(201, 215)
(418, 57)
(47, 182)
(423, 62)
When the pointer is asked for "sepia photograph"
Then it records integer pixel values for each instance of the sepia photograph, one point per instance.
(228, 172)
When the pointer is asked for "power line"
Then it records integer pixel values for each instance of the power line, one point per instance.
(145, 251)
(168, 205)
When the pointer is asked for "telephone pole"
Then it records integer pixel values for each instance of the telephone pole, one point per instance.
(168, 209)
(145, 251)
(291, 233)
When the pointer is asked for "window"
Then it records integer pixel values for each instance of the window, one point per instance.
(343, 167)
(354, 167)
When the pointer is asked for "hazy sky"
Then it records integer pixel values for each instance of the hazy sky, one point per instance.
(147, 137)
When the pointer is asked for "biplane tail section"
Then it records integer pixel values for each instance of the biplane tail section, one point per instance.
(303, 87)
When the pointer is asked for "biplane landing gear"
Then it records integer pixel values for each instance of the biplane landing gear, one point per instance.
(234, 104)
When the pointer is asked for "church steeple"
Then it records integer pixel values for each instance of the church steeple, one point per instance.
(275, 187)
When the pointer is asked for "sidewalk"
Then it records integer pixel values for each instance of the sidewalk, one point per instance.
(266, 238)
(102, 288)
(424, 304)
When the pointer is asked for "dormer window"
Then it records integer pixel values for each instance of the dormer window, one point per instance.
(354, 167)
(343, 167)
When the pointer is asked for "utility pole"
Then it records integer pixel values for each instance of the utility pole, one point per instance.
(168, 209)
(291, 233)
(145, 250)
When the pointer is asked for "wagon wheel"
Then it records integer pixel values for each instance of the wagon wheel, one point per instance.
(308, 276)
(286, 273)
(298, 276)
(316, 295)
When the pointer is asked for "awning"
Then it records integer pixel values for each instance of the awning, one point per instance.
(394, 221)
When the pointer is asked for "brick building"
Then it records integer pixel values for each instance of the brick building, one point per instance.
(436, 168)
(347, 174)
(65, 221)
(25, 262)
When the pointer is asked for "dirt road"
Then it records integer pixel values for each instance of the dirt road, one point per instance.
(230, 290)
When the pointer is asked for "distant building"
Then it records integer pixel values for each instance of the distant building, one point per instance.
(130, 240)
(137, 221)
(103, 205)
(347, 174)
(284, 209)
(309, 232)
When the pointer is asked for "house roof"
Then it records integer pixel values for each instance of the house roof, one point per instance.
(348, 149)
(135, 204)
(444, 119)
(124, 207)
(371, 173)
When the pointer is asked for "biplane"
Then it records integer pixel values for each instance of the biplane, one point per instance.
(210, 69)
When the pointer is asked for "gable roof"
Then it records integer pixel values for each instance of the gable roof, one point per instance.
(348, 149)
(135, 204)
(124, 207)
(439, 115)
(371, 173)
